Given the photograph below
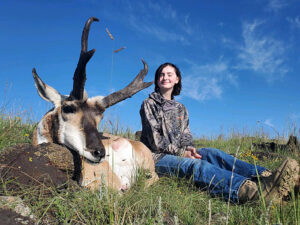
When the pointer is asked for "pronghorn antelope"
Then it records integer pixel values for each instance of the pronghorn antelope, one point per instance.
(73, 123)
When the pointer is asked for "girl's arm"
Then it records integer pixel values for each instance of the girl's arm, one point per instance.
(186, 137)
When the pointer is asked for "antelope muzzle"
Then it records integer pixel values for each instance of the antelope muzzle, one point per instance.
(94, 144)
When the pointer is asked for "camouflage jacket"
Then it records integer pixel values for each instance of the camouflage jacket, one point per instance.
(165, 126)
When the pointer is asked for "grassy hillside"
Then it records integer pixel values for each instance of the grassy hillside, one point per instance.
(169, 201)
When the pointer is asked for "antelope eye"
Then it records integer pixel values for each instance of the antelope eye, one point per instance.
(69, 109)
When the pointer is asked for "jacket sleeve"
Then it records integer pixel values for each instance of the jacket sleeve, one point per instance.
(152, 132)
(186, 137)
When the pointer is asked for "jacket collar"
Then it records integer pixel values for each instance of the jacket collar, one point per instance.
(166, 104)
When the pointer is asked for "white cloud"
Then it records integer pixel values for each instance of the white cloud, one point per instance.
(155, 19)
(232, 79)
(204, 82)
(295, 22)
(186, 25)
(261, 53)
(165, 11)
(220, 24)
(157, 31)
(295, 116)
(276, 5)
(158, 20)
(269, 123)
(201, 88)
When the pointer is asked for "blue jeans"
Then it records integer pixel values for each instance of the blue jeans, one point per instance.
(213, 171)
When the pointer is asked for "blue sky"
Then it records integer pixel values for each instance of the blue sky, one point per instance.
(239, 59)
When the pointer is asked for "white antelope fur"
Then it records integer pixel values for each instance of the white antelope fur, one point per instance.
(122, 161)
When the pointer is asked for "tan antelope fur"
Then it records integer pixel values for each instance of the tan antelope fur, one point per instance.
(123, 158)
(73, 122)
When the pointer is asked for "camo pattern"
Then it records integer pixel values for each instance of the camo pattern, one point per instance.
(165, 126)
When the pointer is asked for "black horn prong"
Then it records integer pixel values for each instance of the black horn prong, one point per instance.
(85, 33)
(79, 77)
(135, 86)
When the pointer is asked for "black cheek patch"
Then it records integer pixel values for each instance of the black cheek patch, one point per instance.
(55, 128)
(69, 109)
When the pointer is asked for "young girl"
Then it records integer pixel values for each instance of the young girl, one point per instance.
(166, 133)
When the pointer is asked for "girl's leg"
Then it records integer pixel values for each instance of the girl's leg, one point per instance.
(226, 161)
(219, 181)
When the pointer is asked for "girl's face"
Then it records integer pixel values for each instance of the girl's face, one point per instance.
(167, 79)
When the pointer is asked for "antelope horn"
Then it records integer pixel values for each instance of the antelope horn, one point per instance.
(135, 86)
(79, 77)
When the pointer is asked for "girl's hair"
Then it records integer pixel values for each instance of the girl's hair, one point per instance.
(177, 87)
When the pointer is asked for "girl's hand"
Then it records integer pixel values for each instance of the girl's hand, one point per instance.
(188, 154)
(193, 153)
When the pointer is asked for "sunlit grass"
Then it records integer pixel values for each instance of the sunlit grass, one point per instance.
(14, 130)
(169, 201)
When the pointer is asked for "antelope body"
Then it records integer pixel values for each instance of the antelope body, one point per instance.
(98, 158)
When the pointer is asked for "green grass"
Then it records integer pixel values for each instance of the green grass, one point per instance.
(13, 130)
(172, 200)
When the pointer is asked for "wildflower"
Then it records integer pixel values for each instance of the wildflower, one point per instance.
(26, 135)
(254, 157)
(30, 159)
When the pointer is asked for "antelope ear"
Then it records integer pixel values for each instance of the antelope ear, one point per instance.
(46, 92)
(97, 103)
(97, 100)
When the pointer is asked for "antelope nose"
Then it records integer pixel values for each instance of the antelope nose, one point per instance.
(99, 153)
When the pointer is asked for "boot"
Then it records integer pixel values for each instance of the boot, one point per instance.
(282, 181)
(274, 187)
(268, 173)
(248, 192)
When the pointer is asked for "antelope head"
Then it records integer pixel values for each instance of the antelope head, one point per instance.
(74, 120)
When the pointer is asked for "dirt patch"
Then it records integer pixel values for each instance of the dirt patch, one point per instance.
(50, 165)
(292, 145)
(272, 149)
(41, 171)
